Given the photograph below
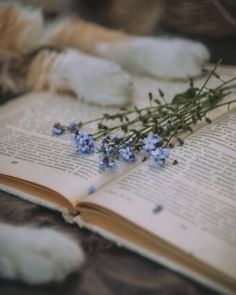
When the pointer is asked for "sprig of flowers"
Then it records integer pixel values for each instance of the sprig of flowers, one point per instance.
(83, 142)
(149, 131)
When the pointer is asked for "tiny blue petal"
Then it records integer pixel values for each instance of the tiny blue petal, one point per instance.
(91, 190)
(57, 129)
(83, 142)
(108, 143)
(158, 156)
(107, 163)
(127, 154)
(150, 143)
(110, 138)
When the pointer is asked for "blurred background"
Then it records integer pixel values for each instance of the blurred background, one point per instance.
(211, 21)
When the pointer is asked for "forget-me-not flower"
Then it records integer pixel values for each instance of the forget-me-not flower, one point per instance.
(58, 129)
(127, 154)
(108, 143)
(150, 143)
(83, 142)
(158, 156)
(107, 163)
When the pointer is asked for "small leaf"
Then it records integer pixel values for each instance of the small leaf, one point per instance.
(189, 128)
(191, 83)
(194, 119)
(175, 162)
(124, 128)
(79, 125)
(102, 126)
(137, 110)
(150, 96)
(189, 94)
(216, 75)
(180, 141)
(157, 101)
(161, 93)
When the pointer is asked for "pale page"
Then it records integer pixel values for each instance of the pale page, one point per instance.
(145, 84)
(191, 205)
(28, 151)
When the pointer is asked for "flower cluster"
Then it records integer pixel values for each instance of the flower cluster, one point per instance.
(158, 156)
(151, 130)
(127, 153)
(58, 129)
(107, 162)
(108, 144)
(152, 149)
(107, 151)
(112, 148)
(150, 143)
(83, 142)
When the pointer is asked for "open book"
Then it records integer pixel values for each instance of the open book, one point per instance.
(183, 216)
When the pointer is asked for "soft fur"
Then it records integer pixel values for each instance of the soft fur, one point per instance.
(82, 58)
(23, 30)
(37, 255)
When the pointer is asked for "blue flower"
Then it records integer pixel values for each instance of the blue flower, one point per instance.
(108, 144)
(150, 143)
(107, 163)
(110, 138)
(106, 149)
(58, 129)
(91, 190)
(127, 154)
(83, 142)
(158, 156)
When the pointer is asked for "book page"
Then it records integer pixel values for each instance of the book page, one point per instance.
(191, 205)
(28, 150)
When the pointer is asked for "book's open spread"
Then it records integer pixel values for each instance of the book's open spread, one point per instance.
(181, 215)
